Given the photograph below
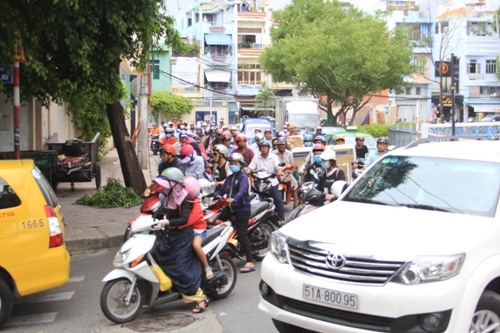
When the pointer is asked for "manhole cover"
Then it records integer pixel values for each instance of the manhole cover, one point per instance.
(159, 323)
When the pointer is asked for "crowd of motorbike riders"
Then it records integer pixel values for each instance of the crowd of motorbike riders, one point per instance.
(222, 155)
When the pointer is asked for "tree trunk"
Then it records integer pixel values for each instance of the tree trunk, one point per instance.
(131, 169)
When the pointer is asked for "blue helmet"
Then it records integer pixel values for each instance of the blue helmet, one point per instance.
(183, 133)
(321, 138)
(264, 143)
(198, 127)
(308, 137)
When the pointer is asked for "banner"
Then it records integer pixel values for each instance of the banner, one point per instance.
(185, 73)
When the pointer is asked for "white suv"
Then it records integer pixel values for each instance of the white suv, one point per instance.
(412, 246)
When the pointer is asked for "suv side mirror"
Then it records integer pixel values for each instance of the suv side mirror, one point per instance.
(338, 188)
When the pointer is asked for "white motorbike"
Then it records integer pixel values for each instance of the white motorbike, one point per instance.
(135, 281)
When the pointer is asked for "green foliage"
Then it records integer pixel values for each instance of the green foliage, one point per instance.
(187, 50)
(71, 46)
(345, 56)
(113, 194)
(264, 100)
(171, 105)
(375, 130)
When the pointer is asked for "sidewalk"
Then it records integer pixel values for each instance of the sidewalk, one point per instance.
(89, 228)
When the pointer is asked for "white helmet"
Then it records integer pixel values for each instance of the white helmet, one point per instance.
(259, 137)
(328, 154)
(222, 150)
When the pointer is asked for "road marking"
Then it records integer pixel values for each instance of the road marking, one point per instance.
(64, 296)
(31, 319)
(76, 279)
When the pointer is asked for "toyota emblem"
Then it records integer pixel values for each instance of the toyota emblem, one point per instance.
(335, 261)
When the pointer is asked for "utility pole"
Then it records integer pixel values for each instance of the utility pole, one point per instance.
(453, 87)
(143, 116)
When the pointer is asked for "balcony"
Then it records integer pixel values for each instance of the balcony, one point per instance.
(252, 15)
(218, 58)
(476, 76)
(251, 48)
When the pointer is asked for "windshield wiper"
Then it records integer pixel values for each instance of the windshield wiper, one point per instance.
(429, 207)
(367, 200)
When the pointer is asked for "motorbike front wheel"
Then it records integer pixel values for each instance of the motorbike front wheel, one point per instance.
(266, 228)
(113, 305)
(229, 269)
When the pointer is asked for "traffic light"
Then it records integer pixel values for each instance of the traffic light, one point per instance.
(455, 62)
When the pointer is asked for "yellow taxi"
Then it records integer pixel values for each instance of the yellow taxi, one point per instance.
(33, 255)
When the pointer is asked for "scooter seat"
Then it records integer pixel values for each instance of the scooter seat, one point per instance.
(211, 235)
(258, 207)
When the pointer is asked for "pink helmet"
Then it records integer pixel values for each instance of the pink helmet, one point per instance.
(192, 186)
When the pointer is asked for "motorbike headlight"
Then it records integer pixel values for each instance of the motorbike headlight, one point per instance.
(120, 258)
(278, 247)
(425, 269)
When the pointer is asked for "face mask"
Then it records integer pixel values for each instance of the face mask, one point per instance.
(317, 159)
(234, 168)
(168, 135)
(325, 164)
(308, 144)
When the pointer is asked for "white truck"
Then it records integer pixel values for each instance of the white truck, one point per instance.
(302, 111)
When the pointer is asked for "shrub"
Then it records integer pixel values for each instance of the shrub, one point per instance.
(375, 130)
(113, 194)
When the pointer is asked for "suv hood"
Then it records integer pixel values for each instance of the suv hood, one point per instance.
(400, 232)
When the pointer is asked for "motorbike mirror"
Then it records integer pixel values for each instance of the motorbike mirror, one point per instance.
(216, 174)
(338, 188)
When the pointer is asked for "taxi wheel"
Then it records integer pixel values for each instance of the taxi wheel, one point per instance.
(5, 302)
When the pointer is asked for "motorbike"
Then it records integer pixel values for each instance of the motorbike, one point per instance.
(136, 282)
(262, 183)
(311, 198)
(149, 206)
(285, 185)
(359, 170)
(263, 221)
(155, 144)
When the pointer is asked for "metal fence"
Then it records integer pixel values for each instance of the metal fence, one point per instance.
(401, 136)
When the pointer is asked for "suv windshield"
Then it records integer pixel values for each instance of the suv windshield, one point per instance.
(304, 120)
(458, 186)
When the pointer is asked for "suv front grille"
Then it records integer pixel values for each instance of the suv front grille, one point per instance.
(357, 269)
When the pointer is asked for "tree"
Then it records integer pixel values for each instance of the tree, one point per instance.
(76, 46)
(264, 99)
(171, 105)
(345, 57)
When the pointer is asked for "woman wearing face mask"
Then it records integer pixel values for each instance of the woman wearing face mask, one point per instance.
(236, 188)
(332, 174)
(169, 137)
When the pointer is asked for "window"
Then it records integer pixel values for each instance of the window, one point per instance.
(155, 68)
(190, 22)
(488, 90)
(491, 66)
(219, 86)
(473, 67)
(217, 50)
(407, 91)
(418, 91)
(419, 63)
(8, 198)
(445, 26)
(250, 74)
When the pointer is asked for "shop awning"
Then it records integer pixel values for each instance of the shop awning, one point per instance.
(246, 108)
(486, 107)
(218, 39)
(218, 75)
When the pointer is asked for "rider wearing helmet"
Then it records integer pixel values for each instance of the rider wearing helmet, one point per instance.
(220, 156)
(332, 173)
(255, 145)
(247, 153)
(194, 165)
(268, 135)
(382, 143)
(212, 135)
(270, 163)
(239, 206)
(309, 161)
(319, 139)
(285, 156)
(226, 141)
(319, 131)
(340, 139)
(169, 137)
(308, 140)
(174, 250)
(168, 155)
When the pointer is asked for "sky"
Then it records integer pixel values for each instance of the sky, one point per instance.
(174, 5)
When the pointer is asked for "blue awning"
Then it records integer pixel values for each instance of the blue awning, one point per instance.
(218, 39)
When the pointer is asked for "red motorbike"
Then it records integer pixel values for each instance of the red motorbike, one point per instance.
(263, 221)
(149, 206)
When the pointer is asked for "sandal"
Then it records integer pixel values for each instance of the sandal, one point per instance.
(209, 273)
(201, 305)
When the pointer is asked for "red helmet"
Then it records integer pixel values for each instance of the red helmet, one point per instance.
(241, 137)
(226, 135)
(187, 150)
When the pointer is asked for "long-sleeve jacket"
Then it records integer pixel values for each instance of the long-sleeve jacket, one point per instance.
(236, 187)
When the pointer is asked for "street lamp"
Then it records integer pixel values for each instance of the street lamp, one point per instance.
(453, 87)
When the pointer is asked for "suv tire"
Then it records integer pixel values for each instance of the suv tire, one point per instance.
(5, 302)
(487, 312)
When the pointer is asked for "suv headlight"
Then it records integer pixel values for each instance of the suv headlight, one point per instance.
(120, 258)
(278, 247)
(429, 269)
